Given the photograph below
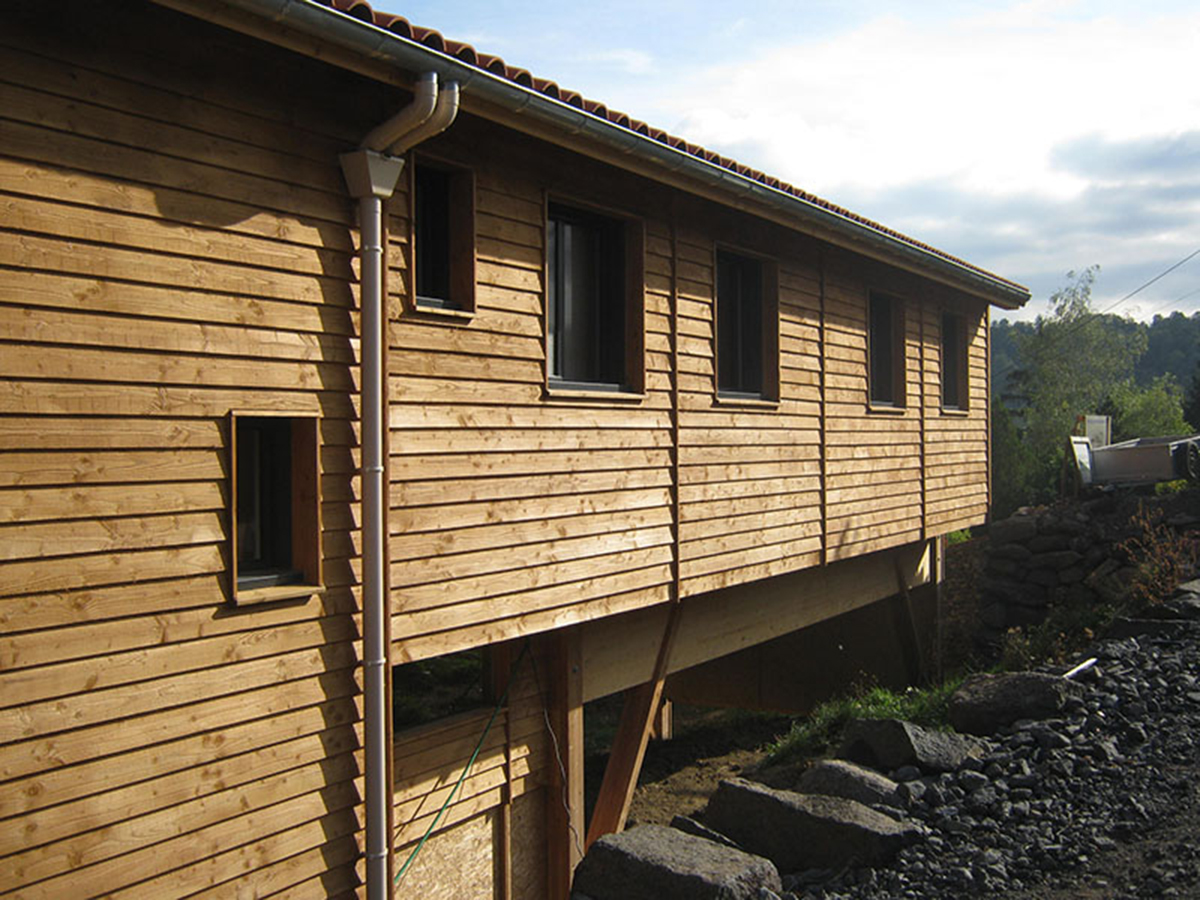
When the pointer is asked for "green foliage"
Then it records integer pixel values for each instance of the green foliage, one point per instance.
(958, 537)
(1191, 402)
(1155, 410)
(1173, 347)
(1162, 557)
(818, 731)
(1066, 364)
(1012, 463)
(1070, 361)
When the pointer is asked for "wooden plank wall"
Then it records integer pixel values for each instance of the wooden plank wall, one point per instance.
(514, 512)
(956, 443)
(750, 474)
(173, 244)
(176, 242)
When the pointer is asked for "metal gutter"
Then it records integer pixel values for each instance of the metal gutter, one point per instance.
(372, 42)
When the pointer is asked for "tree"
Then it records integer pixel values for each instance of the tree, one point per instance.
(1069, 361)
(1191, 403)
(1153, 411)
(1012, 463)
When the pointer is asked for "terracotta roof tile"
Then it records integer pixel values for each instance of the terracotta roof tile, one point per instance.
(495, 65)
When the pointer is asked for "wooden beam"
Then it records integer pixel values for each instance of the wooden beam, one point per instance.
(629, 743)
(564, 797)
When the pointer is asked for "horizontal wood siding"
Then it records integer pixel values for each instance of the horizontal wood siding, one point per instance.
(514, 511)
(956, 442)
(873, 456)
(750, 473)
(172, 247)
(176, 243)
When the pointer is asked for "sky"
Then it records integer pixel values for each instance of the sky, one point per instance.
(1029, 138)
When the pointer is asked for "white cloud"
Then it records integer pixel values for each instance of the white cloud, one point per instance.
(979, 102)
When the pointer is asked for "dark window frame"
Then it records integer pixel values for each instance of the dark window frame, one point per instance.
(746, 299)
(588, 349)
(886, 352)
(441, 236)
(955, 379)
(275, 510)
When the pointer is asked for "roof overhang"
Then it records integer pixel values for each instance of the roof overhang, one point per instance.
(325, 33)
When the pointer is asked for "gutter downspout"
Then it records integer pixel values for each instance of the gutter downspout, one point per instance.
(372, 173)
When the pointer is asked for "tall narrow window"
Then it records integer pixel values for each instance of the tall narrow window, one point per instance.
(954, 362)
(885, 346)
(276, 521)
(586, 313)
(743, 323)
(443, 237)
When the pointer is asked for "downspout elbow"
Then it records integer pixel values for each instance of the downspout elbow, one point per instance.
(405, 122)
(444, 114)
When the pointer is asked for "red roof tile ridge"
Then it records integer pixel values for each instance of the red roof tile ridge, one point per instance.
(495, 65)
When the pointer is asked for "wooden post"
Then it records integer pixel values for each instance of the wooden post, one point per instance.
(501, 669)
(564, 799)
(662, 728)
(906, 629)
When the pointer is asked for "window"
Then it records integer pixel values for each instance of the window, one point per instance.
(276, 509)
(443, 237)
(747, 327)
(885, 347)
(955, 389)
(593, 327)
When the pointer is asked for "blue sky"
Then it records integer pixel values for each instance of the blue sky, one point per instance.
(1030, 138)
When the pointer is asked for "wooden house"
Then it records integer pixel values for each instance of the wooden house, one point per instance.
(288, 401)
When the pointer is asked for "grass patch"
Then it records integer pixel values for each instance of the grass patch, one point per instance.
(816, 733)
(959, 537)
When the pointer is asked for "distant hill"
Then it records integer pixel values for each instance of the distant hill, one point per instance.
(1173, 346)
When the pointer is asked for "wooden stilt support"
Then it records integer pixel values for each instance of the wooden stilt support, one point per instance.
(629, 744)
(910, 642)
(564, 794)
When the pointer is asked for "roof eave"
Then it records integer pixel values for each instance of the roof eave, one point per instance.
(378, 44)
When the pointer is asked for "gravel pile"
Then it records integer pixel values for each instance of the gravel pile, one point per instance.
(1048, 799)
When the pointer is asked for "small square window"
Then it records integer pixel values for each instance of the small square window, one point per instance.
(443, 237)
(885, 348)
(276, 507)
(593, 319)
(955, 387)
(746, 327)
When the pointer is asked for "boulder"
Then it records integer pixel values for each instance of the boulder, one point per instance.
(1057, 559)
(1017, 552)
(806, 831)
(1047, 542)
(651, 862)
(1014, 530)
(985, 703)
(838, 778)
(688, 825)
(888, 744)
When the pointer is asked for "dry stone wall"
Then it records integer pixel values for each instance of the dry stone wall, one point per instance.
(1068, 553)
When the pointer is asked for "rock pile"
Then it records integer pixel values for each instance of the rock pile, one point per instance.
(1068, 772)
